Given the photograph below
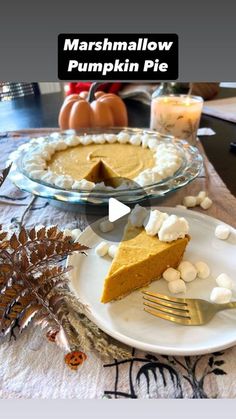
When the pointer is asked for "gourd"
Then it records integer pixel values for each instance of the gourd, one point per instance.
(92, 109)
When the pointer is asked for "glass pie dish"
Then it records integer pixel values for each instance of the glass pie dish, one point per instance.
(190, 168)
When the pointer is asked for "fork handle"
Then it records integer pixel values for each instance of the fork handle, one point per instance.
(226, 306)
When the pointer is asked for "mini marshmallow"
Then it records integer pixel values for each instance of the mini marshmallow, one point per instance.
(220, 295)
(64, 181)
(200, 197)
(171, 274)
(206, 203)
(135, 140)
(99, 139)
(86, 140)
(110, 138)
(203, 270)
(188, 272)
(123, 137)
(101, 249)
(112, 250)
(223, 280)
(61, 145)
(222, 232)
(181, 206)
(138, 215)
(154, 222)
(72, 141)
(145, 139)
(189, 201)
(177, 286)
(152, 143)
(75, 234)
(106, 226)
(83, 184)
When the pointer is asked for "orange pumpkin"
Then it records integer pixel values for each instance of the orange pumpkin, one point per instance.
(89, 109)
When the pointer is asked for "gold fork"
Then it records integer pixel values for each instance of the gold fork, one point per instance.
(186, 311)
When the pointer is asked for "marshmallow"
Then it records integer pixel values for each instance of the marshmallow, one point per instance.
(83, 184)
(154, 222)
(63, 181)
(86, 139)
(200, 197)
(112, 250)
(206, 203)
(189, 201)
(177, 286)
(37, 174)
(203, 270)
(33, 166)
(181, 206)
(171, 274)
(61, 145)
(135, 140)
(173, 228)
(220, 295)
(99, 139)
(145, 139)
(110, 138)
(75, 234)
(223, 280)
(138, 215)
(222, 232)
(101, 249)
(72, 141)
(106, 226)
(48, 177)
(123, 137)
(187, 271)
(152, 143)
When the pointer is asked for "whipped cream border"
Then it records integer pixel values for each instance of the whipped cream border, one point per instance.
(166, 156)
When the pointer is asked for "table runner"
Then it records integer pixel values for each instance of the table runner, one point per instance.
(32, 367)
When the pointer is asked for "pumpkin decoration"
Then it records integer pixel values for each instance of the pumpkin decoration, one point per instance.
(75, 359)
(92, 109)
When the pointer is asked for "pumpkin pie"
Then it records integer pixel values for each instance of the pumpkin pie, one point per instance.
(140, 259)
(82, 162)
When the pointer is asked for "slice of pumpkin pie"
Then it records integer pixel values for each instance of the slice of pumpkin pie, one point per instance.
(142, 256)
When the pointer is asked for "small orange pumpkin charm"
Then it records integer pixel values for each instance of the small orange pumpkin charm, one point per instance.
(92, 109)
(75, 359)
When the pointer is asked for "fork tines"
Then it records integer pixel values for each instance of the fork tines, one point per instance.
(168, 308)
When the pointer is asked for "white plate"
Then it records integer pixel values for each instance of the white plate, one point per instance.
(125, 319)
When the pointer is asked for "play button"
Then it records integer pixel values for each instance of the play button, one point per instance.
(114, 205)
(117, 210)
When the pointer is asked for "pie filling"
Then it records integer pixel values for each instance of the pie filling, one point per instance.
(102, 162)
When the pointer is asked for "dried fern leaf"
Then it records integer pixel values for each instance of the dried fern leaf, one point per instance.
(23, 236)
(28, 315)
(14, 242)
(33, 287)
(4, 174)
